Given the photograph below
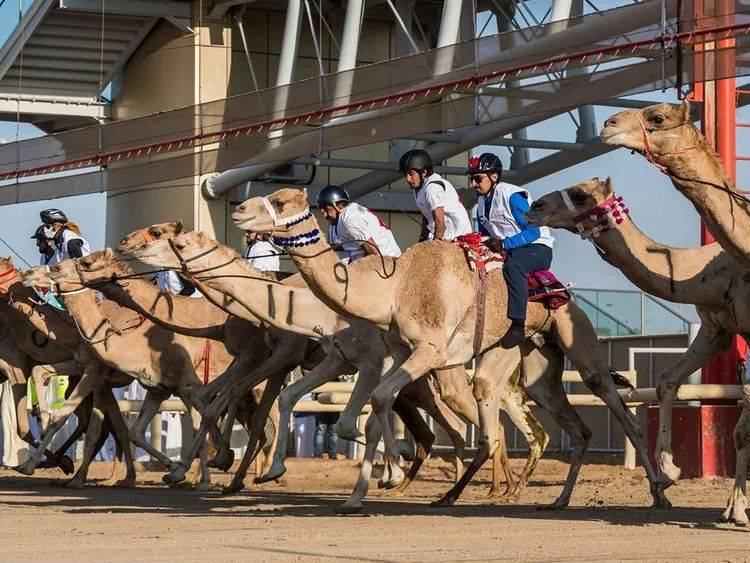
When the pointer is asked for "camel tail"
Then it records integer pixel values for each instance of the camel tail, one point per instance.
(620, 381)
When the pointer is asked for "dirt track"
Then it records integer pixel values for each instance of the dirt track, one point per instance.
(609, 519)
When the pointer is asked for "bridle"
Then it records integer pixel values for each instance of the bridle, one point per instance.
(5, 284)
(295, 241)
(605, 216)
(185, 261)
(648, 152)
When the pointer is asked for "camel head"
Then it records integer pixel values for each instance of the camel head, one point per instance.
(8, 274)
(268, 214)
(551, 210)
(143, 237)
(62, 276)
(100, 266)
(656, 130)
(158, 254)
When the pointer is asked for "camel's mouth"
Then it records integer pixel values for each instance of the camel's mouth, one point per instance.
(612, 136)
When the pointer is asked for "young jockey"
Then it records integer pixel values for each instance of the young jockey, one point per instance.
(501, 215)
(445, 217)
(65, 236)
(354, 228)
(260, 253)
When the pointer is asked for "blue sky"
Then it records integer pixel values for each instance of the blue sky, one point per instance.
(657, 208)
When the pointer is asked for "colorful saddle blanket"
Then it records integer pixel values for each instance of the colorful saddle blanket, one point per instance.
(543, 285)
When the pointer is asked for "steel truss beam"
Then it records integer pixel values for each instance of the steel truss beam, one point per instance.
(147, 8)
(63, 106)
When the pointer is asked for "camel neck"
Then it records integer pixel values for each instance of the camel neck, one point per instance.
(185, 315)
(288, 308)
(95, 328)
(700, 177)
(348, 289)
(670, 273)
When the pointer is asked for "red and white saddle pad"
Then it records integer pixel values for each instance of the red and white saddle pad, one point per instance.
(543, 285)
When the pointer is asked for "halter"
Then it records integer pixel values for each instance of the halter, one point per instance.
(285, 221)
(147, 235)
(73, 292)
(3, 289)
(184, 262)
(606, 216)
(649, 154)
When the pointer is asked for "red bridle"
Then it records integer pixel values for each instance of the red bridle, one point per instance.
(147, 235)
(604, 216)
(649, 154)
(6, 283)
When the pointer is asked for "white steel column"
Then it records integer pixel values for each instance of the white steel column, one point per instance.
(287, 60)
(355, 10)
(448, 35)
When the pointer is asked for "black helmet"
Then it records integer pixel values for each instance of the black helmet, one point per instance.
(333, 194)
(416, 159)
(53, 215)
(39, 234)
(484, 164)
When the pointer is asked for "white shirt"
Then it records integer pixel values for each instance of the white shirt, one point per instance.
(438, 192)
(263, 256)
(357, 224)
(61, 245)
(501, 223)
(169, 282)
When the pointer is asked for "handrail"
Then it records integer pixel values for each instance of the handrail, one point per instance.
(603, 312)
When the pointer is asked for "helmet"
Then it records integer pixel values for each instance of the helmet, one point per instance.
(416, 159)
(40, 233)
(53, 215)
(332, 194)
(484, 164)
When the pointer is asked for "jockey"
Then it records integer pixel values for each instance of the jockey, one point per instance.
(260, 253)
(444, 217)
(171, 282)
(501, 213)
(44, 246)
(354, 230)
(65, 235)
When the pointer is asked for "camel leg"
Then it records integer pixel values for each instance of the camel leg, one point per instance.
(456, 392)
(422, 359)
(224, 456)
(274, 417)
(151, 403)
(204, 483)
(579, 343)
(40, 377)
(86, 385)
(708, 342)
(423, 436)
(547, 363)
(370, 375)
(257, 430)
(372, 437)
(737, 503)
(120, 431)
(95, 440)
(328, 370)
(495, 369)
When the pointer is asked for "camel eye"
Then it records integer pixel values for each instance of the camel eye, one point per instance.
(278, 204)
(658, 119)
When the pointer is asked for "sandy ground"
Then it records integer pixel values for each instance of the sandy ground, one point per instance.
(609, 519)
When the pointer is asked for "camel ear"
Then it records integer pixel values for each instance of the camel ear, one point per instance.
(178, 227)
(684, 111)
(608, 183)
(109, 254)
(303, 197)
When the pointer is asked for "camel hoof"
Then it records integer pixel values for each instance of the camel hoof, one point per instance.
(557, 505)
(73, 484)
(273, 475)
(66, 465)
(202, 487)
(223, 460)
(25, 468)
(348, 432)
(396, 476)
(443, 502)
(348, 509)
(232, 488)
(128, 483)
(176, 476)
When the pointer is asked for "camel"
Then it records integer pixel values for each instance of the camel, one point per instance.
(665, 136)
(191, 317)
(707, 277)
(280, 304)
(425, 302)
(162, 361)
(63, 348)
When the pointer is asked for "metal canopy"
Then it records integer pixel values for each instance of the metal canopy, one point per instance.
(57, 61)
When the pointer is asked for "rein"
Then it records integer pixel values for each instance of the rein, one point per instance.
(648, 152)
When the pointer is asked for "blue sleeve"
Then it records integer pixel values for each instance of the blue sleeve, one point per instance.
(518, 207)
